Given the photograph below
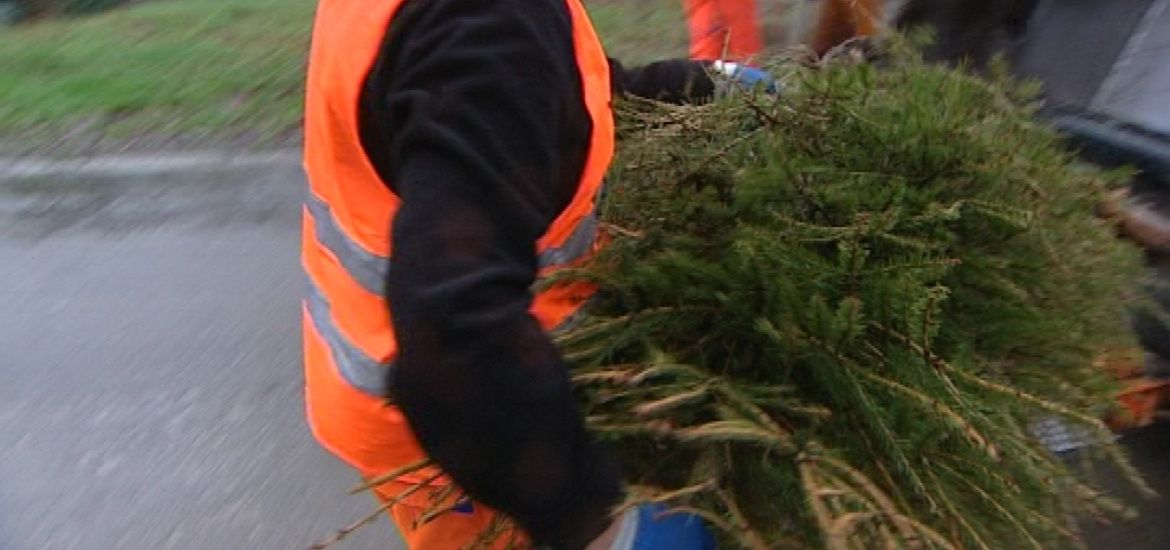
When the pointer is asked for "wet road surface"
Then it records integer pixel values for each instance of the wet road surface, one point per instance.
(149, 367)
(1149, 449)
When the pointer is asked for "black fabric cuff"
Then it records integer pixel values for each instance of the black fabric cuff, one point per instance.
(678, 81)
(587, 511)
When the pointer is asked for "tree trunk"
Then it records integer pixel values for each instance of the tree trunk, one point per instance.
(37, 9)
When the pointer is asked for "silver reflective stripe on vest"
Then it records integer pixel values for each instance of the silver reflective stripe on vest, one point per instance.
(576, 247)
(359, 370)
(368, 269)
(572, 321)
(362, 371)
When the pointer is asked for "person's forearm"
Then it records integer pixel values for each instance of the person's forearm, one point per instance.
(483, 387)
(478, 124)
(491, 402)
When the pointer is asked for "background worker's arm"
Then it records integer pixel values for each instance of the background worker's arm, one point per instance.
(682, 81)
(476, 116)
(672, 80)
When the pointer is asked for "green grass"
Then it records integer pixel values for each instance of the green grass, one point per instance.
(214, 68)
(639, 31)
(166, 66)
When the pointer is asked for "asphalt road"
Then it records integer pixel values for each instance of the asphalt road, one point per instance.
(1149, 450)
(149, 365)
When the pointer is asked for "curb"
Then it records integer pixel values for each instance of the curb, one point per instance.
(144, 164)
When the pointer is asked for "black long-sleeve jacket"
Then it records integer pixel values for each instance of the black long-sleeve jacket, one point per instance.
(474, 113)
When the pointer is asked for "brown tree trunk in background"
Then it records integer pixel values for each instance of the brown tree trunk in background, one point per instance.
(37, 9)
(841, 20)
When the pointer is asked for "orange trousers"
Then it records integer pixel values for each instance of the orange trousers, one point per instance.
(723, 29)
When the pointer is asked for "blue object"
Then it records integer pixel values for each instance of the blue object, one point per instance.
(751, 78)
(464, 506)
(747, 77)
(658, 529)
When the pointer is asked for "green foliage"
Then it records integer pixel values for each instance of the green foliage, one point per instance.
(164, 66)
(640, 31)
(214, 68)
(828, 319)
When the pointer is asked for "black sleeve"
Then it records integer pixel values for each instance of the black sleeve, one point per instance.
(676, 81)
(475, 115)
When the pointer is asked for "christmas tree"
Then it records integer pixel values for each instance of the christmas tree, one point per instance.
(833, 318)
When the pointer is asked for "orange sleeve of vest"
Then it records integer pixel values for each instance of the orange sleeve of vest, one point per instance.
(475, 112)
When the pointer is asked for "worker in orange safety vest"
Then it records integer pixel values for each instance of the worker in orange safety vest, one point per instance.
(454, 151)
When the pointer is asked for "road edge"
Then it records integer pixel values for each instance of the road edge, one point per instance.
(133, 165)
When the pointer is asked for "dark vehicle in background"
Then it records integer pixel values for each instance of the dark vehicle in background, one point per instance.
(1105, 70)
(1105, 65)
(14, 11)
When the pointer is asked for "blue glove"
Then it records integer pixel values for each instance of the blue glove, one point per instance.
(746, 76)
(651, 527)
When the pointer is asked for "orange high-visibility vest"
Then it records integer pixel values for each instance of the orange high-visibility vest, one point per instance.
(346, 247)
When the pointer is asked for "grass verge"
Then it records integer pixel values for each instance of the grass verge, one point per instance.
(207, 67)
(213, 72)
